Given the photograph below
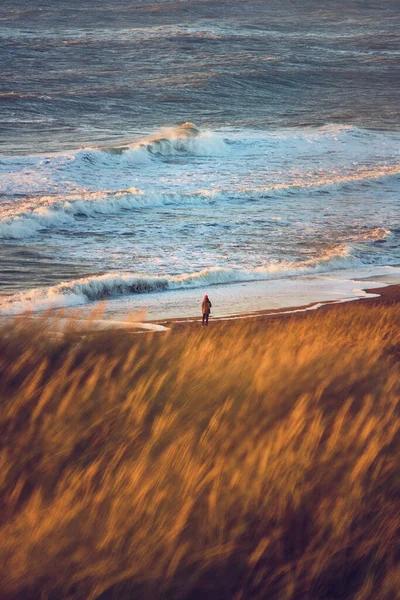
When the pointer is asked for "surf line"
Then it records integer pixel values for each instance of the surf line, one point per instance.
(282, 312)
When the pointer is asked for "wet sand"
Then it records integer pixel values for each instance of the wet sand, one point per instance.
(387, 295)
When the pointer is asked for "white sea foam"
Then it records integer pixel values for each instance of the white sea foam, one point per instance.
(55, 212)
(182, 198)
(59, 211)
(376, 234)
(65, 177)
(108, 165)
(30, 224)
(112, 285)
(185, 139)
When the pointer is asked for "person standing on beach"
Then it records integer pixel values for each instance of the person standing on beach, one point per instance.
(206, 309)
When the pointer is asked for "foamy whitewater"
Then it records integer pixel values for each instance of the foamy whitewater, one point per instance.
(257, 209)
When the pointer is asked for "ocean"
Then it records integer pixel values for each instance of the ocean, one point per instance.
(151, 152)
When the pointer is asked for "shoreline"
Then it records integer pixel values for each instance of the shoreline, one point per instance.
(389, 294)
(59, 320)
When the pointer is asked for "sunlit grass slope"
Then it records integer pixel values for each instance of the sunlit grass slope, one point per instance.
(258, 460)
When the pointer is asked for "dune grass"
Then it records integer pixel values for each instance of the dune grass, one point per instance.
(256, 460)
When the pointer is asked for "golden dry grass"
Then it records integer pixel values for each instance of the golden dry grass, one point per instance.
(251, 461)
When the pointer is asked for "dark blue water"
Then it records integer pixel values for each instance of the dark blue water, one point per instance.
(73, 73)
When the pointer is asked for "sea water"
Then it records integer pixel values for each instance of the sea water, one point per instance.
(152, 152)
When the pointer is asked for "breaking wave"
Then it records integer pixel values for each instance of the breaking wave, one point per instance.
(184, 139)
(55, 213)
(377, 234)
(112, 285)
(36, 173)
(61, 210)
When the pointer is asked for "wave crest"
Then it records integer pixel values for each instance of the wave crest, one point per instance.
(377, 234)
(61, 211)
(184, 139)
(54, 212)
(113, 285)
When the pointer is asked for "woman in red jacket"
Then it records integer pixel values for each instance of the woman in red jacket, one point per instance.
(206, 309)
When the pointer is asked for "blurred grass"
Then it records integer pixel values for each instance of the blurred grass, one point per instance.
(256, 460)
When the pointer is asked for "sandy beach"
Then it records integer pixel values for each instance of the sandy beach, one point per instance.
(383, 296)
